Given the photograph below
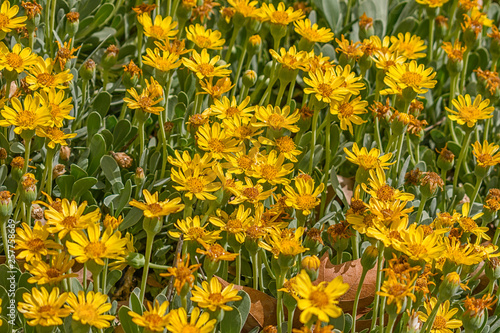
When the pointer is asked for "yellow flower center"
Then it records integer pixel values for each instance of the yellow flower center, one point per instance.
(234, 226)
(26, 119)
(203, 42)
(367, 161)
(439, 322)
(346, 110)
(194, 185)
(145, 102)
(195, 233)
(54, 110)
(163, 64)
(385, 193)
(87, 312)
(325, 89)
(470, 113)
(306, 201)
(190, 329)
(280, 17)
(63, 53)
(53, 273)
(216, 298)
(276, 121)
(411, 79)
(290, 247)
(14, 60)
(183, 274)
(231, 111)
(319, 298)
(394, 234)
(216, 145)
(153, 319)
(417, 249)
(285, 144)
(45, 79)
(154, 208)
(215, 251)
(468, 224)
(47, 311)
(36, 244)
(156, 31)
(69, 222)
(243, 131)
(311, 34)
(485, 159)
(251, 193)
(268, 172)
(245, 162)
(95, 250)
(4, 21)
(205, 69)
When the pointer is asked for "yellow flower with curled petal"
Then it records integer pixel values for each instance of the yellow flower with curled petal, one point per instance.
(285, 145)
(89, 309)
(251, 193)
(312, 32)
(153, 208)
(204, 67)
(408, 46)
(215, 140)
(326, 86)
(306, 196)
(234, 224)
(196, 182)
(213, 297)
(29, 117)
(245, 7)
(432, 3)
(469, 112)
(226, 108)
(59, 107)
(8, 19)
(42, 77)
(286, 242)
(146, 101)
(443, 322)
(178, 322)
(18, 60)
(155, 318)
(469, 224)
(368, 159)
(318, 300)
(413, 76)
(33, 243)
(277, 118)
(290, 59)
(162, 28)
(54, 135)
(53, 273)
(205, 38)
(192, 230)
(485, 153)
(163, 62)
(419, 246)
(348, 111)
(271, 169)
(42, 308)
(279, 15)
(378, 188)
(397, 291)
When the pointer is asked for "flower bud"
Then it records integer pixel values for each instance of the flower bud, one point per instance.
(139, 176)
(136, 260)
(449, 286)
(365, 27)
(131, 75)
(249, 78)
(445, 159)
(168, 126)
(112, 222)
(17, 165)
(369, 257)
(58, 170)
(3, 154)
(278, 31)
(72, 23)
(224, 23)
(311, 265)
(414, 323)
(36, 212)
(254, 45)
(64, 153)
(123, 160)
(110, 56)
(6, 204)
(492, 268)
(28, 182)
(441, 26)
(87, 71)
(313, 241)
(152, 226)
(429, 184)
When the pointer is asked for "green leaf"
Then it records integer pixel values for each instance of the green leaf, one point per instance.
(93, 124)
(97, 150)
(331, 11)
(86, 7)
(4, 143)
(131, 219)
(126, 320)
(243, 306)
(438, 136)
(82, 185)
(103, 13)
(120, 133)
(407, 25)
(23, 281)
(232, 322)
(404, 169)
(103, 100)
(134, 302)
(112, 172)
(113, 278)
(3, 173)
(77, 172)
(65, 183)
(394, 15)
(123, 198)
(17, 148)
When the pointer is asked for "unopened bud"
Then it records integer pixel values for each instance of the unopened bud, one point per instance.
(28, 182)
(131, 74)
(168, 126)
(72, 23)
(311, 265)
(3, 154)
(123, 160)
(369, 257)
(449, 286)
(110, 56)
(87, 71)
(17, 165)
(6, 203)
(249, 78)
(58, 170)
(445, 159)
(36, 212)
(64, 153)
(139, 176)
(429, 184)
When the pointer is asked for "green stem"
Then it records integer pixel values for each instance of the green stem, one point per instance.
(279, 284)
(27, 150)
(432, 23)
(290, 90)
(141, 140)
(355, 246)
(263, 258)
(423, 199)
(390, 324)
(348, 13)
(464, 70)
(377, 135)
(238, 267)
(256, 270)
(84, 278)
(313, 143)
(496, 236)
(140, 38)
(51, 38)
(443, 192)
(243, 94)
(5, 238)
(105, 77)
(326, 169)
(453, 87)
(487, 129)
(240, 67)
(378, 283)
(48, 170)
(156, 266)
(410, 150)
(461, 157)
(163, 119)
(479, 180)
(356, 300)
(290, 319)
(105, 276)
(398, 159)
(281, 92)
(236, 30)
(147, 257)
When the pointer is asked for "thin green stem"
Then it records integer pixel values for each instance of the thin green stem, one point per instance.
(238, 267)
(453, 87)
(48, 169)
(105, 276)
(487, 129)
(313, 142)
(479, 180)
(27, 150)
(378, 283)
(356, 300)
(377, 135)
(290, 90)
(263, 258)
(147, 257)
(355, 246)
(51, 38)
(236, 30)
(432, 23)
(256, 270)
(279, 285)
(443, 192)
(141, 140)
(423, 199)
(240, 67)
(390, 324)
(5, 239)
(326, 169)
(283, 85)
(464, 70)
(163, 119)
(463, 152)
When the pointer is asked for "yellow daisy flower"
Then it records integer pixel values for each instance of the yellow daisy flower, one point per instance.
(205, 38)
(179, 323)
(242, 129)
(485, 154)
(277, 118)
(387, 235)
(234, 224)
(245, 7)
(204, 67)
(41, 76)
(216, 90)
(291, 59)
(225, 108)
(312, 33)
(242, 161)
(320, 300)
(279, 15)
(348, 112)
(251, 193)
(54, 135)
(42, 308)
(454, 51)
(8, 19)
(27, 118)
(65, 53)
(182, 272)
(18, 60)
(392, 214)
(306, 197)
(397, 291)
(419, 246)
(350, 49)
(53, 273)
(460, 254)
(384, 61)
(368, 159)
(378, 188)
(59, 107)
(469, 225)
(443, 322)
(153, 208)
(93, 247)
(325, 85)
(285, 146)
(196, 182)
(213, 297)
(469, 113)
(154, 319)
(286, 242)
(216, 141)
(147, 100)
(89, 309)
(193, 231)
(163, 62)
(185, 162)
(476, 21)
(162, 28)
(34, 243)
(412, 76)
(432, 3)
(271, 169)
(352, 84)
(216, 253)
(408, 46)
(70, 218)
